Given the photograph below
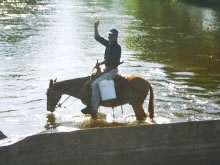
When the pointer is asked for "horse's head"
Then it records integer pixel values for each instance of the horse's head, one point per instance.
(53, 96)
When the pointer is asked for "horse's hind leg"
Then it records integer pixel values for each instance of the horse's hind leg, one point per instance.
(139, 112)
(144, 114)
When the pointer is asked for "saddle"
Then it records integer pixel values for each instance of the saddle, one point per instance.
(120, 84)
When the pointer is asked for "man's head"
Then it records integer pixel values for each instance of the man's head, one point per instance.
(113, 35)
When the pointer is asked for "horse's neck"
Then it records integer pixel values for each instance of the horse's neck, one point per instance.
(72, 87)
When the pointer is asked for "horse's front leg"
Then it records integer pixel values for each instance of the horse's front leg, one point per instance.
(94, 115)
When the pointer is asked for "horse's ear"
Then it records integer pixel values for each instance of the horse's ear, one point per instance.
(51, 83)
(55, 80)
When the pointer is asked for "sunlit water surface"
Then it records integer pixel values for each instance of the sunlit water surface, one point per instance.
(175, 46)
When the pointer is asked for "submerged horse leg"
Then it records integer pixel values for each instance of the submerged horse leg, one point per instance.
(94, 115)
(139, 112)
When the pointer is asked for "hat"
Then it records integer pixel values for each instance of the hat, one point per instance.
(113, 31)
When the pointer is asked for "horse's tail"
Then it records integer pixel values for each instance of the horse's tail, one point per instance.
(151, 103)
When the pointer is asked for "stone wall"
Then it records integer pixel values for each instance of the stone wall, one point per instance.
(178, 144)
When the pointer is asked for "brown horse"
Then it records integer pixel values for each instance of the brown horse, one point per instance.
(132, 90)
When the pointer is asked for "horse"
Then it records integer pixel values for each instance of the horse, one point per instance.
(132, 90)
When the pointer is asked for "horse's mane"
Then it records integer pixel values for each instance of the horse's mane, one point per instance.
(72, 83)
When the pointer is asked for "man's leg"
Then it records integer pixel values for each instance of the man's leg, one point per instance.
(95, 100)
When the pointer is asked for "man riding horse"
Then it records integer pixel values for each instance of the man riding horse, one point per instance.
(111, 61)
(131, 90)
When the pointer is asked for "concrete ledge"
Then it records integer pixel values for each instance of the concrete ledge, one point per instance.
(180, 143)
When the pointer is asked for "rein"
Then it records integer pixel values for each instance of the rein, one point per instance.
(60, 104)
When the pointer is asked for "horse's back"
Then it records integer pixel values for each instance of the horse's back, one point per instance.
(138, 83)
(129, 89)
(136, 79)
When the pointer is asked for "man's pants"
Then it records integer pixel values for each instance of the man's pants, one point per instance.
(95, 100)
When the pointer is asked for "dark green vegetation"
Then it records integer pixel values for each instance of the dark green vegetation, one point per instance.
(185, 39)
(204, 3)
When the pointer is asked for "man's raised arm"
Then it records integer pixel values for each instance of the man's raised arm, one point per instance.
(96, 29)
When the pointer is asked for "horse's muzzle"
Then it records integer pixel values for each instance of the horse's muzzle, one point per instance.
(50, 108)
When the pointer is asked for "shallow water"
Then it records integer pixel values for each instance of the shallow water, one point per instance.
(176, 46)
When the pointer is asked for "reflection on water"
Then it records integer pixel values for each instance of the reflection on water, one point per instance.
(185, 38)
(174, 45)
(57, 124)
(51, 122)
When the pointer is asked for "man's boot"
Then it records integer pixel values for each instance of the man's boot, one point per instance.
(87, 110)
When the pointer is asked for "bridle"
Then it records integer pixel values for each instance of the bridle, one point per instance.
(59, 105)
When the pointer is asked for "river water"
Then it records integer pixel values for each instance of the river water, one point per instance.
(174, 45)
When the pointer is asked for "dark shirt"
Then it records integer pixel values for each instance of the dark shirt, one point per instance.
(112, 53)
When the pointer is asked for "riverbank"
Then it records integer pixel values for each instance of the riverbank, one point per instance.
(179, 143)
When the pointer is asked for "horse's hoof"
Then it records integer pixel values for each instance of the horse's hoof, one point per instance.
(153, 121)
